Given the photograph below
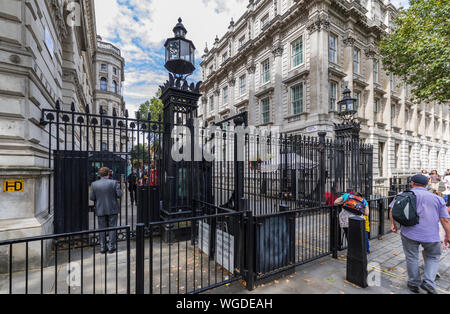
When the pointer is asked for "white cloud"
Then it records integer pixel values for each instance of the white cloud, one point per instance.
(400, 3)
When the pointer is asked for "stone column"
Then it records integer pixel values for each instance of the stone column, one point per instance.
(319, 80)
(277, 51)
(251, 69)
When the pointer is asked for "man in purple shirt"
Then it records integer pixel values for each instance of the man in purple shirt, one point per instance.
(431, 209)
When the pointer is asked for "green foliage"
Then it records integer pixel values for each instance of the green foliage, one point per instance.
(418, 49)
(154, 107)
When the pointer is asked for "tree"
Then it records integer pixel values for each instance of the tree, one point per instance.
(418, 49)
(154, 107)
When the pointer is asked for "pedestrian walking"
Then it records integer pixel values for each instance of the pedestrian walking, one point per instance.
(105, 193)
(447, 181)
(431, 210)
(132, 185)
(435, 180)
(353, 204)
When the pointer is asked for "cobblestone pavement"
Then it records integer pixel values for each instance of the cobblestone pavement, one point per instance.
(327, 275)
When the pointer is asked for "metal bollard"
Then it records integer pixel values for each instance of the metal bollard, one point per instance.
(357, 252)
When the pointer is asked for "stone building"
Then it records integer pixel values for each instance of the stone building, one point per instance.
(287, 63)
(49, 51)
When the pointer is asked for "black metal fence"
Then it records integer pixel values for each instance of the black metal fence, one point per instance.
(262, 206)
(41, 265)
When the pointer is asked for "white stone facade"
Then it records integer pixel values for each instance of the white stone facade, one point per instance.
(45, 58)
(287, 63)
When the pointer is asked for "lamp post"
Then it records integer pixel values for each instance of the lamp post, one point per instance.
(347, 136)
(180, 108)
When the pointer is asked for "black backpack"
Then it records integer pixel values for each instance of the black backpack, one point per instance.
(405, 209)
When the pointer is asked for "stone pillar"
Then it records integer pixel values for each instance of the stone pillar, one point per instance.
(251, 69)
(318, 37)
(277, 51)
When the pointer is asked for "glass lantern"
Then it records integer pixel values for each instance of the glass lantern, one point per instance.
(180, 52)
(347, 106)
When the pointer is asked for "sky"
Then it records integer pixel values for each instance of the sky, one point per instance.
(139, 29)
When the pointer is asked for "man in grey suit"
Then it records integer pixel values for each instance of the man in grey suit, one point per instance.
(105, 194)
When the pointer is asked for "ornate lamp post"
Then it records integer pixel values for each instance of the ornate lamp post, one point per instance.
(347, 135)
(180, 108)
(350, 128)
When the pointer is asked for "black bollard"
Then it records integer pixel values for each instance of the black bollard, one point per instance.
(357, 252)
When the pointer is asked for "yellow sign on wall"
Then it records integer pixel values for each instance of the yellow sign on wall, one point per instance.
(13, 186)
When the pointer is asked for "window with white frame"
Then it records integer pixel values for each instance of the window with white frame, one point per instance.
(375, 110)
(297, 52)
(264, 20)
(265, 110)
(333, 96)
(243, 85)
(393, 113)
(356, 60)
(104, 68)
(211, 103)
(225, 95)
(103, 84)
(265, 71)
(224, 57)
(375, 71)
(333, 48)
(242, 41)
(297, 99)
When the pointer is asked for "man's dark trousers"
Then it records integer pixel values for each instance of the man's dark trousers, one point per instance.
(105, 222)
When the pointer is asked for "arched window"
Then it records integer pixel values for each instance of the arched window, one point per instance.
(103, 84)
(115, 89)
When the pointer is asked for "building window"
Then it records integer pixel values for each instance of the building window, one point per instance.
(211, 70)
(381, 158)
(242, 41)
(103, 84)
(375, 110)
(356, 60)
(333, 49)
(333, 96)
(224, 57)
(393, 113)
(375, 71)
(297, 99)
(264, 21)
(115, 71)
(397, 156)
(104, 68)
(265, 110)
(243, 85)
(297, 52)
(265, 70)
(225, 95)
(115, 87)
(211, 103)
